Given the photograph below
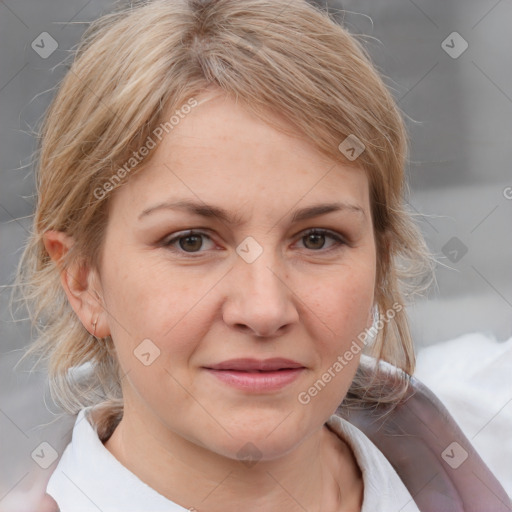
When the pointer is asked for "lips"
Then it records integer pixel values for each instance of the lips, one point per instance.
(257, 376)
(256, 365)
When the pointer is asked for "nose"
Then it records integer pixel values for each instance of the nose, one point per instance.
(259, 298)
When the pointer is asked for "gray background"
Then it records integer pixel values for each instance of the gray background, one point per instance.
(460, 121)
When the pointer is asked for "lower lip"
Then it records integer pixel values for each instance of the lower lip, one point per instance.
(257, 381)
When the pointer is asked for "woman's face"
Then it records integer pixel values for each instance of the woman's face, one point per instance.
(248, 284)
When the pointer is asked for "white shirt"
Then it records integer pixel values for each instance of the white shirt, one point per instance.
(472, 376)
(89, 478)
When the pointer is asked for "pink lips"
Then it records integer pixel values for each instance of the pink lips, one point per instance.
(257, 375)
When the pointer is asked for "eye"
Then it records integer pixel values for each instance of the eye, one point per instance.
(314, 239)
(189, 242)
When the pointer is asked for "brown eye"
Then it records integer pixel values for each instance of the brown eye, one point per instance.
(315, 239)
(190, 242)
(187, 242)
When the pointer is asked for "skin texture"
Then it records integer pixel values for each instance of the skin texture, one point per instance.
(301, 299)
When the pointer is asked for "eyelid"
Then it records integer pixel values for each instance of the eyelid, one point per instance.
(338, 238)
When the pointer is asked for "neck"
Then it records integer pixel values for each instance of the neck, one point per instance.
(318, 475)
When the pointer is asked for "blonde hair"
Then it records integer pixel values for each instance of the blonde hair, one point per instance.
(137, 64)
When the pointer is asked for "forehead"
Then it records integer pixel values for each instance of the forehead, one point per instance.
(219, 152)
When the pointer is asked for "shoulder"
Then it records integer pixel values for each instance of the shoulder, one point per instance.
(72, 471)
(87, 474)
(383, 488)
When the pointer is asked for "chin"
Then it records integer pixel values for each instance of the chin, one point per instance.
(261, 441)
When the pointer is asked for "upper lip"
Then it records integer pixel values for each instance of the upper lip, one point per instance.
(248, 364)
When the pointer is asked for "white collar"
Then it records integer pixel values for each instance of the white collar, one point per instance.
(89, 478)
(383, 489)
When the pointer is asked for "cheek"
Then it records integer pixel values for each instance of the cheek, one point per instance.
(342, 302)
(138, 292)
(145, 302)
(339, 308)
(156, 321)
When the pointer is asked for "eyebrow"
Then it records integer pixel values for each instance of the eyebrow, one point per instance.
(210, 211)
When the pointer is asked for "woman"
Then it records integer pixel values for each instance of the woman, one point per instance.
(220, 234)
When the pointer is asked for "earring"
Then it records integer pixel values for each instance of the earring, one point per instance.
(94, 326)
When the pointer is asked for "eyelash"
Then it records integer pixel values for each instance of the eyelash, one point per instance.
(339, 241)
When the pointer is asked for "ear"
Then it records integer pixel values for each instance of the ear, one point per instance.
(80, 283)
